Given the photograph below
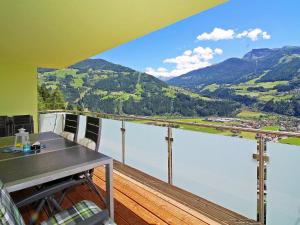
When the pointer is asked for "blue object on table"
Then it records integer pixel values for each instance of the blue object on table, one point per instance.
(26, 148)
(10, 150)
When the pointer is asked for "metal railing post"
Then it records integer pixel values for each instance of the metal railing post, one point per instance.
(169, 139)
(123, 141)
(262, 158)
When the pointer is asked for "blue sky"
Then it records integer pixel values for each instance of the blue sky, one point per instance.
(228, 30)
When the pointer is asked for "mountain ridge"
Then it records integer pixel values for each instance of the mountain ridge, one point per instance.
(236, 70)
(263, 80)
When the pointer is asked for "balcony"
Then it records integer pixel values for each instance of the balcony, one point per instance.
(162, 174)
(168, 175)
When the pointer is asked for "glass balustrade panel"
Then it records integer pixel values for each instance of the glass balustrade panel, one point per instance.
(111, 140)
(51, 122)
(283, 184)
(218, 168)
(147, 149)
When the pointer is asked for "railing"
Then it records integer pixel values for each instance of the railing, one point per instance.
(199, 162)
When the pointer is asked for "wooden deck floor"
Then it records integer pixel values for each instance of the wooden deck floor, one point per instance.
(133, 205)
(138, 204)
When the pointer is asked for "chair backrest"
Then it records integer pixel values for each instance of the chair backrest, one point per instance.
(22, 121)
(71, 124)
(4, 126)
(93, 130)
(9, 213)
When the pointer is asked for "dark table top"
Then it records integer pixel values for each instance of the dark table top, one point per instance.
(63, 158)
(45, 136)
(24, 172)
(49, 140)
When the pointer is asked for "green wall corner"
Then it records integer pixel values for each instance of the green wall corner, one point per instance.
(18, 91)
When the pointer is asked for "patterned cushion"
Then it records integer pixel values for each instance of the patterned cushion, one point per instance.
(9, 213)
(77, 213)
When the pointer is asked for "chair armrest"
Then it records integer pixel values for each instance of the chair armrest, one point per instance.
(96, 219)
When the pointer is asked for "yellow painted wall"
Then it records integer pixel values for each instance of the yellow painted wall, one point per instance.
(18, 91)
(58, 33)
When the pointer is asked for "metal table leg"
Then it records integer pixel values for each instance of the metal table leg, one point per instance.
(109, 188)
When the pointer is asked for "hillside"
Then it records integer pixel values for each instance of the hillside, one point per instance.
(101, 86)
(279, 64)
(264, 79)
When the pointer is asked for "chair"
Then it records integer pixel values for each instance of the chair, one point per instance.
(82, 213)
(71, 127)
(22, 121)
(4, 126)
(91, 140)
(92, 135)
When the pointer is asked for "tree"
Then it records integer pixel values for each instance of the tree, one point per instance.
(50, 99)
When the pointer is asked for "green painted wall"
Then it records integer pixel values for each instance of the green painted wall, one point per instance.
(18, 91)
(56, 34)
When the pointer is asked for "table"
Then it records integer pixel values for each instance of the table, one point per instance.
(60, 159)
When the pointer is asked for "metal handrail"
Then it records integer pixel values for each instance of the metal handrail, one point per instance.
(141, 118)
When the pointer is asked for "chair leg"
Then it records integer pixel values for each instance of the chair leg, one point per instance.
(62, 197)
(52, 207)
(49, 206)
(91, 184)
(55, 204)
(35, 216)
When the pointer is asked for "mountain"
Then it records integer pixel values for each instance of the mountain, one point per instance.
(232, 70)
(265, 64)
(99, 64)
(263, 79)
(101, 86)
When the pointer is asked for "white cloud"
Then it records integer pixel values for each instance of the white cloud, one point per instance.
(266, 36)
(243, 34)
(229, 34)
(254, 34)
(203, 53)
(218, 51)
(216, 35)
(162, 69)
(160, 72)
(190, 60)
(188, 52)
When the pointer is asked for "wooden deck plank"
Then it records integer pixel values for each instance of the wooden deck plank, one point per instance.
(196, 205)
(164, 210)
(132, 205)
(85, 193)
